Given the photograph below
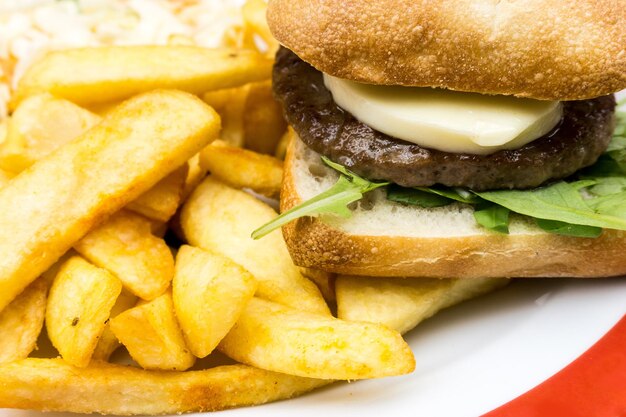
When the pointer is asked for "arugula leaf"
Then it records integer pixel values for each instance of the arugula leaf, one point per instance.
(457, 194)
(348, 189)
(493, 217)
(568, 229)
(416, 197)
(560, 201)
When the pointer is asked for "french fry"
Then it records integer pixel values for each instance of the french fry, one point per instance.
(40, 125)
(283, 143)
(5, 177)
(195, 175)
(152, 336)
(108, 343)
(4, 123)
(219, 218)
(92, 177)
(402, 303)
(230, 104)
(263, 121)
(281, 339)
(43, 123)
(80, 302)
(22, 321)
(161, 201)
(125, 245)
(325, 281)
(106, 74)
(241, 168)
(256, 24)
(53, 385)
(210, 291)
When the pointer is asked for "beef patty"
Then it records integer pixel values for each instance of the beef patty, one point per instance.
(581, 136)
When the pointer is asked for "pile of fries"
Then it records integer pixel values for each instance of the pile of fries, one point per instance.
(131, 179)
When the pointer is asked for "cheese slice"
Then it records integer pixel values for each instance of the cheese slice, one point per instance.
(446, 120)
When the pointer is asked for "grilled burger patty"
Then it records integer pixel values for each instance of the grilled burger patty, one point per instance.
(580, 138)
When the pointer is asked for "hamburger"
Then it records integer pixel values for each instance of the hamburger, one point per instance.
(453, 138)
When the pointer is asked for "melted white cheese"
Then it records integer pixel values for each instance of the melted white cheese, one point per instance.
(447, 120)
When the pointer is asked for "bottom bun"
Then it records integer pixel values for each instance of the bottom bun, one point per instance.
(384, 238)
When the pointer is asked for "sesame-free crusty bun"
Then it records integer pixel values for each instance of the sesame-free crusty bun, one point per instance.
(542, 49)
(384, 238)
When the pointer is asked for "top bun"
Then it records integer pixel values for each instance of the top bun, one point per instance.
(542, 49)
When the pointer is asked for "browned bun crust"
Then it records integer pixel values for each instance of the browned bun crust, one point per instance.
(314, 244)
(543, 49)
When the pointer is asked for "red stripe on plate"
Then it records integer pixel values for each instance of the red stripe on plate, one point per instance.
(594, 385)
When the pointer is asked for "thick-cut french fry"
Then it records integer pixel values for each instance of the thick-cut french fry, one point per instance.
(108, 342)
(263, 121)
(219, 218)
(5, 177)
(282, 339)
(241, 168)
(283, 143)
(126, 246)
(53, 385)
(40, 125)
(230, 105)
(22, 321)
(161, 201)
(210, 291)
(256, 24)
(152, 335)
(402, 303)
(100, 75)
(325, 281)
(195, 175)
(80, 302)
(43, 123)
(4, 123)
(49, 207)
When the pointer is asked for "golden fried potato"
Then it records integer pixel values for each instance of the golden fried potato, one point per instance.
(282, 339)
(4, 123)
(108, 343)
(219, 218)
(161, 201)
(40, 125)
(241, 168)
(88, 76)
(402, 303)
(263, 121)
(49, 207)
(22, 321)
(325, 281)
(230, 104)
(80, 302)
(210, 291)
(152, 336)
(53, 385)
(283, 143)
(125, 245)
(195, 175)
(5, 177)
(256, 24)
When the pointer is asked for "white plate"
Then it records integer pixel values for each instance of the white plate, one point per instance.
(473, 357)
